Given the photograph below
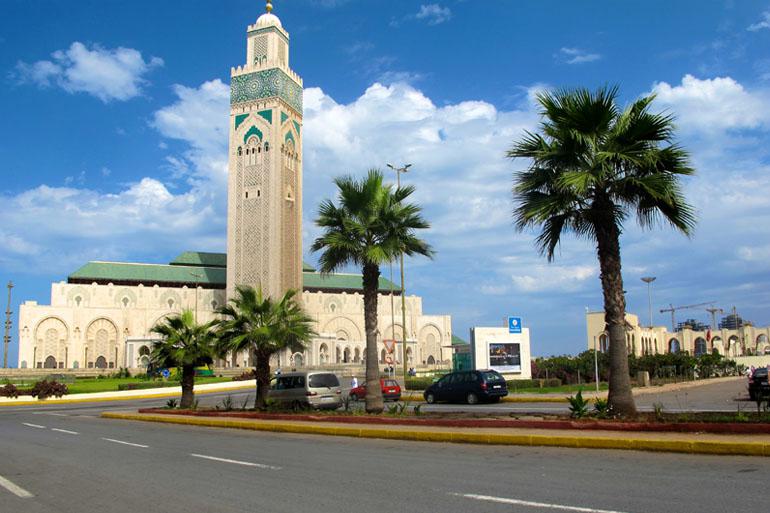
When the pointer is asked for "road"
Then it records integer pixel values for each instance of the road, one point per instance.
(70, 460)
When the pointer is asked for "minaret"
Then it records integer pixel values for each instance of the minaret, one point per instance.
(264, 194)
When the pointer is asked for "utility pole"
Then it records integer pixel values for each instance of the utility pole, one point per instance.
(648, 280)
(7, 336)
(398, 171)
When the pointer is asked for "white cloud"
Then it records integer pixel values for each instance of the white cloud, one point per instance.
(553, 277)
(108, 74)
(576, 56)
(764, 24)
(713, 105)
(434, 14)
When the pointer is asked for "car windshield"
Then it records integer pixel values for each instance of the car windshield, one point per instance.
(390, 383)
(760, 373)
(324, 380)
(492, 377)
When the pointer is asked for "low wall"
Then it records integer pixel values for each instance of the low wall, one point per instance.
(749, 361)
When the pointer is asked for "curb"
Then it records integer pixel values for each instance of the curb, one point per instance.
(622, 443)
(506, 399)
(164, 395)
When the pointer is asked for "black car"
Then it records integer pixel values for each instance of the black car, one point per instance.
(467, 386)
(758, 383)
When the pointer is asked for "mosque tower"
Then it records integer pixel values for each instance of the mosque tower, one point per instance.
(264, 188)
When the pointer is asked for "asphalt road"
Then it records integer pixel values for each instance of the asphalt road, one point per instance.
(72, 461)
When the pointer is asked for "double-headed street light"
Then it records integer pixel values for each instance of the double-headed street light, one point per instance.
(399, 170)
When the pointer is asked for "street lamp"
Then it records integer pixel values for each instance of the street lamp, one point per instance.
(399, 170)
(648, 280)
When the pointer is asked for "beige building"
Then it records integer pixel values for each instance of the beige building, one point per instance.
(101, 317)
(641, 340)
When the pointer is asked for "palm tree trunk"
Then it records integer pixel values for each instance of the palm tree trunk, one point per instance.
(188, 383)
(262, 370)
(620, 399)
(374, 403)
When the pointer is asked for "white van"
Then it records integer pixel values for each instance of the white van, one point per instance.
(310, 389)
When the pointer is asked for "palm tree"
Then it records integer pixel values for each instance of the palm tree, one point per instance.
(370, 227)
(594, 165)
(186, 345)
(263, 326)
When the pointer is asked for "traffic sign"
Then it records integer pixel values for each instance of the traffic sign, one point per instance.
(390, 344)
(514, 324)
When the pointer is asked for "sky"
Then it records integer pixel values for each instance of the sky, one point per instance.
(114, 119)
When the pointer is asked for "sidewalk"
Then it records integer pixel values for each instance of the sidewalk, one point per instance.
(693, 443)
(126, 395)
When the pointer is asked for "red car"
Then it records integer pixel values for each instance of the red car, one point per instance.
(391, 390)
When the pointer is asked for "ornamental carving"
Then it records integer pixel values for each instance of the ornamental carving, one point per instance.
(266, 84)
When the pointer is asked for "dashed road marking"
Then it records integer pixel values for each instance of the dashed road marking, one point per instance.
(236, 462)
(65, 431)
(37, 426)
(15, 489)
(125, 443)
(545, 505)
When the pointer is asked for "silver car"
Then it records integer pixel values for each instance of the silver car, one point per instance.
(310, 389)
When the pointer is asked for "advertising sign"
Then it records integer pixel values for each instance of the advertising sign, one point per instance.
(505, 357)
(514, 324)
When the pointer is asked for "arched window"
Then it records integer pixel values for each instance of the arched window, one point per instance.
(171, 303)
(78, 299)
(267, 146)
(125, 302)
(240, 151)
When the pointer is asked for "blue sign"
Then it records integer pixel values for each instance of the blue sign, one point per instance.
(165, 373)
(514, 324)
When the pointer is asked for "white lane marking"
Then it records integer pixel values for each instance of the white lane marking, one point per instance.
(65, 431)
(58, 414)
(15, 489)
(125, 443)
(244, 463)
(531, 504)
(38, 426)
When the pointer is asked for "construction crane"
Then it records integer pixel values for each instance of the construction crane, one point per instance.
(714, 311)
(673, 310)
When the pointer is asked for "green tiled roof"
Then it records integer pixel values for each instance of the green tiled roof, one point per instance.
(199, 258)
(183, 272)
(352, 282)
(149, 274)
(457, 341)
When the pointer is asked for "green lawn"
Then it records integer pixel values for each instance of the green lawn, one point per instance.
(90, 385)
(563, 389)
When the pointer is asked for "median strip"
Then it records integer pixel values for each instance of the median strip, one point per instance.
(696, 444)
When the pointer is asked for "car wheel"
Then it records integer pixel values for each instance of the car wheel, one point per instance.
(430, 398)
(472, 398)
(353, 397)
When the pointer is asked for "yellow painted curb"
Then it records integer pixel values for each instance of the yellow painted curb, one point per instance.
(393, 433)
(164, 395)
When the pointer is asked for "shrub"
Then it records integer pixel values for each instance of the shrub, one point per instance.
(9, 390)
(420, 383)
(171, 404)
(144, 385)
(44, 389)
(246, 376)
(578, 406)
(601, 408)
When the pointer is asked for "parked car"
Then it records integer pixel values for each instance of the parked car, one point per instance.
(391, 390)
(467, 386)
(758, 383)
(310, 389)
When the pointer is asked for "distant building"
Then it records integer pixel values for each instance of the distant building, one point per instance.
(743, 341)
(732, 322)
(692, 324)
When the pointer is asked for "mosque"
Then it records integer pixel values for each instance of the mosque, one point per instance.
(101, 316)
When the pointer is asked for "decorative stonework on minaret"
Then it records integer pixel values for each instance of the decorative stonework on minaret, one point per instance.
(264, 211)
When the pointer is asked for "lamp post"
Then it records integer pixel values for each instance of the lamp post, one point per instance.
(7, 336)
(399, 170)
(648, 280)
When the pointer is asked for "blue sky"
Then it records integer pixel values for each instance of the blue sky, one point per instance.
(114, 132)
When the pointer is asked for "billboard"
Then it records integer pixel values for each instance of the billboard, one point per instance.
(505, 357)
